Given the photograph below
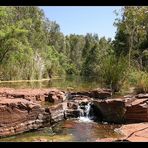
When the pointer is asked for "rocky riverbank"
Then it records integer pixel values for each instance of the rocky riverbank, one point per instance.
(21, 110)
(137, 132)
(20, 115)
(125, 110)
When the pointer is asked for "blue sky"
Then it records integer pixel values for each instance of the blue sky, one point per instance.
(82, 20)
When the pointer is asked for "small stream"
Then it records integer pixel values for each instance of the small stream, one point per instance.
(81, 129)
(72, 130)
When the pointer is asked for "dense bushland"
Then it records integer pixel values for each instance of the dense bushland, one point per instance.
(33, 47)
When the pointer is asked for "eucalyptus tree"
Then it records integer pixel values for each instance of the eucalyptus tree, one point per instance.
(132, 31)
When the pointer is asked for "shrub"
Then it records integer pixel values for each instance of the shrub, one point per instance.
(141, 82)
(113, 71)
(136, 79)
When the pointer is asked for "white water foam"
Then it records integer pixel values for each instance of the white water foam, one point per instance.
(84, 119)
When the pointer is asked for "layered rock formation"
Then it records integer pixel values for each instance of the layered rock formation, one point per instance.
(51, 95)
(56, 112)
(76, 106)
(20, 110)
(20, 115)
(137, 111)
(55, 96)
(129, 110)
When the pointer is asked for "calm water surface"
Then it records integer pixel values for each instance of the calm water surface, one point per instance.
(69, 83)
(71, 130)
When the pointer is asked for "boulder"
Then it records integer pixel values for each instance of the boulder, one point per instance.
(111, 110)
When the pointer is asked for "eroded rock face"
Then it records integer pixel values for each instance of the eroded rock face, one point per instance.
(129, 110)
(71, 110)
(130, 133)
(56, 112)
(111, 110)
(82, 100)
(20, 115)
(137, 111)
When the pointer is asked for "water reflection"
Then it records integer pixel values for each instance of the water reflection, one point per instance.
(68, 83)
(69, 131)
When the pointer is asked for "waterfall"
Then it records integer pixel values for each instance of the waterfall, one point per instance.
(87, 109)
(84, 113)
(81, 111)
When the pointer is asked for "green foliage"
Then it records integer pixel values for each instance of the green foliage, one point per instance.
(132, 32)
(138, 79)
(33, 47)
(93, 60)
(71, 69)
(24, 52)
(113, 71)
(91, 64)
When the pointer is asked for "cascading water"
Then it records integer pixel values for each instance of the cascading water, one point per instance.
(87, 108)
(84, 113)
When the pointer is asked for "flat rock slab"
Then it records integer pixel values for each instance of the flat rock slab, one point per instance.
(131, 133)
(135, 132)
(51, 95)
